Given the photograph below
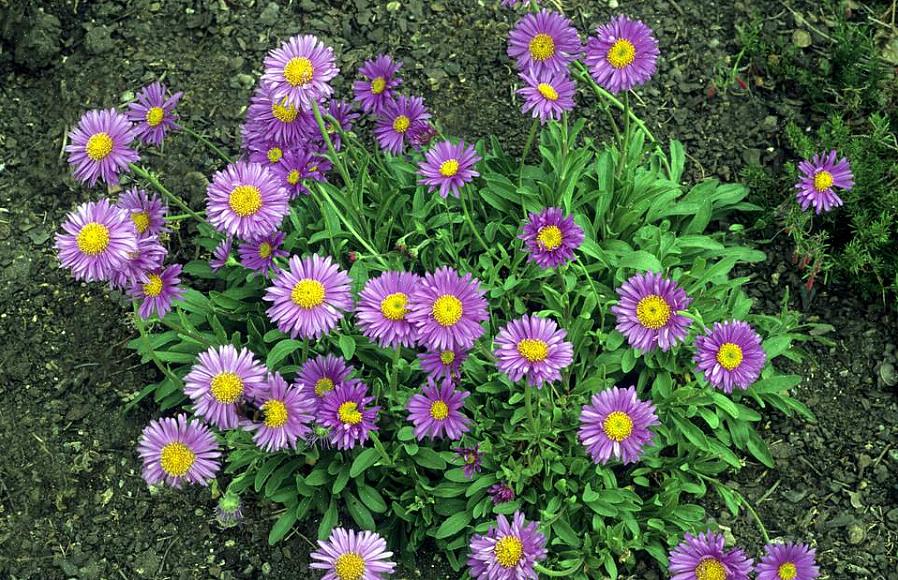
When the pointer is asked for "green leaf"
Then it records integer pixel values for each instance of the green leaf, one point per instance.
(283, 525)
(427, 457)
(347, 346)
(359, 512)
(280, 352)
(453, 525)
(641, 261)
(371, 497)
(758, 448)
(328, 521)
(363, 461)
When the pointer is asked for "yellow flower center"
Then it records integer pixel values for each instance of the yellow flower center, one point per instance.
(823, 180)
(447, 310)
(787, 571)
(176, 459)
(349, 566)
(245, 200)
(549, 237)
(154, 116)
(99, 146)
(621, 54)
(393, 307)
(275, 413)
(293, 177)
(401, 123)
(93, 239)
(710, 569)
(617, 426)
(449, 167)
(542, 47)
(141, 221)
(283, 112)
(378, 85)
(653, 312)
(226, 387)
(729, 355)
(447, 357)
(308, 293)
(323, 385)
(547, 91)
(509, 550)
(299, 71)
(439, 410)
(533, 349)
(153, 287)
(274, 154)
(264, 250)
(349, 413)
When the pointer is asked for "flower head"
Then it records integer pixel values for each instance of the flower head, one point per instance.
(383, 308)
(730, 355)
(819, 176)
(500, 493)
(622, 55)
(703, 557)
(471, 458)
(221, 254)
(324, 373)
(153, 113)
(533, 347)
(351, 555)
(547, 95)
(346, 412)
(96, 239)
(259, 255)
(443, 364)
(395, 119)
(448, 167)
(508, 551)
(287, 414)
(551, 237)
(436, 411)
(447, 310)
(146, 210)
(268, 119)
(298, 72)
(376, 90)
(148, 258)
(100, 147)
(616, 423)
(158, 290)
(177, 451)
(647, 313)
(246, 200)
(788, 561)
(300, 165)
(420, 134)
(544, 42)
(220, 380)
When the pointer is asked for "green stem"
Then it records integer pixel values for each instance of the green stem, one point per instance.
(529, 143)
(154, 181)
(528, 404)
(583, 75)
(558, 573)
(394, 376)
(743, 501)
(592, 285)
(625, 144)
(181, 330)
(181, 217)
(470, 221)
(350, 227)
(207, 143)
(338, 161)
(141, 329)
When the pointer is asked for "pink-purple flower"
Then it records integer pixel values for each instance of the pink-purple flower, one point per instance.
(500, 493)
(221, 254)
(351, 555)
(551, 237)
(346, 411)
(324, 373)
(730, 355)
(381, 78)
(623, 54)
(246, 200)
(158, 290)
(447, 310)
(648, 312)
(287, 413)
(508, 551)
(100, 147)
(395, 119)
(471, 459)
(220, 380)
(146, 211)
(299, 71)
(704, 557)
(789, 561)
(547, 95)
(819, 176)
(258, 255)
(268, 119)
(152, 113)
(544, 42)
(533, 347)
(448, 167)
(96, 240)
(436, 411)
(382, 311)
(298, 166)
(443, 364)
(176, 451)
(148, 257)
(616, 423)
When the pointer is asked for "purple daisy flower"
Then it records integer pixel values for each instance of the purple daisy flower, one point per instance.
(276, 120)
(96, 240)
(380, 79)
(447, 310)
(788, 561)
(153, 113)
(267, 153)
(544, 42)
(158, 290)
(420, 134)
(534, 347)
(287, 413)
(703, 557)
(730, 355)
(341, 112)
(221, 254)
(622, 55)
(435, 411)
(819, 176)
(395, 119)
(177, 451)
(148, 258)
(299, 165)
(221, 378)
(551, 238)
(351, 555)
(344, 410)
(647, 312)
(246, 200)
(470, 457)
(324, 373)
(500, 493)
(298, 72)
(310, 297)
(547, 95)
(616, 423)
(101, 147)
(443, 364)
(382, 310)
(258, 255)
(448, 167)
(507, 551)
(146, 210)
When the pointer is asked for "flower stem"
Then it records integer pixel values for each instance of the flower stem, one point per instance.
(141, 329)
(350, 227)
(338, 161)
(527, 145)
(464, 208)
(225, 157)
(154, 181)
(558, 573)
(394, 375)
(181, 330)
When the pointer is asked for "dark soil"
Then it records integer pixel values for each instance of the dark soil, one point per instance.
(72, 503)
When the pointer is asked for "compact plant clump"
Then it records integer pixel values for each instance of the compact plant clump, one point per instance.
(541, 367)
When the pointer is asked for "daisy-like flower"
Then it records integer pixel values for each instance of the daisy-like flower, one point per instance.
(158, 290)
(616, 423)
(647, 313)
(500, 493)
(447, 310)
(153, 113)
(703, 557)
(420, 134)
(287, 414)
(470, 457)
(324, 373)
(227, 512)
(221, 254)
(146, 210)
(299, 71)
(730, 355)
(544, 42)
(96, 239)
(351, 555)
(622, 55)
(246, 200)
(267, 153)
(341, 112)
(148, 258)
(382, 310)
(177, 451)
(788, 561)
(221, 378)
(380, 80)
(448, 167)
(100, 147)
(436, 411)
(268, 119)
(819, 176)
(309, 298)
(551, 237)
(346, 412)
(443, 364)
(299, 165)
(259, 255)
(547, 95)
(507, 551)
(533, 347)
(395, 119)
